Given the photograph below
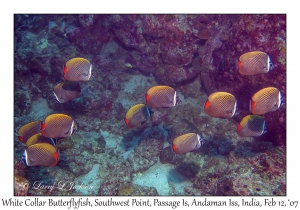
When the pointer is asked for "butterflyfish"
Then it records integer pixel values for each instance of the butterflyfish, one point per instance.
(186, 143)
(41, 154)
(58, 126)
(67, 91)
(161, 97)
(255, 62)
(220, 105)
(137, 115)
(78, 70)
(251, 126)
(266, 100)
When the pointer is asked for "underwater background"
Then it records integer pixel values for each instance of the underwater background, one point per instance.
(194, 54)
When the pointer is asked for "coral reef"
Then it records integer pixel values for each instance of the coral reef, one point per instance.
(146, 153)
(21, 185)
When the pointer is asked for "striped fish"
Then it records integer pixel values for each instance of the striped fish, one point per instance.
(220, 105)
(28, 130)
(187, 143)
(266, 100)
(78, 70)
(161, 97)
(251, 126)
(58, 126)
(255, 62)
(137, 115)
(66, 91)
(41, 154)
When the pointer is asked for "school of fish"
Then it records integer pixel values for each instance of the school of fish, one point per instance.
(40, 137)
(75, 70)
(218, 105)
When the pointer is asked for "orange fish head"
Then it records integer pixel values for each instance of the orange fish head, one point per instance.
(65, 69)
(252, 106)
(239, 64)
(43, 125)
(147, 97)
(126, 121)
(56, 155)
(174, 148)
(238, 127)
(21, 139)
(207, 104)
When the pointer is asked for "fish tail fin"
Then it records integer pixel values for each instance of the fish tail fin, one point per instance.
(236, 109)
(23, 158)
(280, 100)
(54, 141)
(265, 127)
(149, 111)
(237, 112)
(202, 141)
(178, 101)
(270, 64)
